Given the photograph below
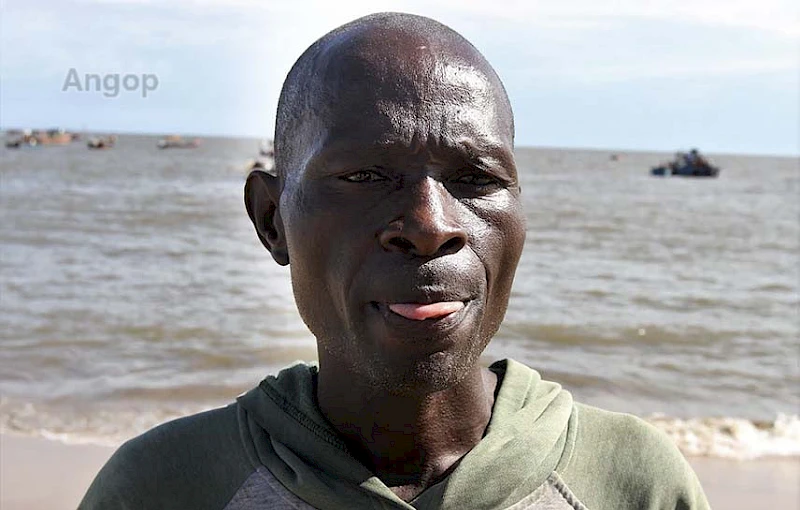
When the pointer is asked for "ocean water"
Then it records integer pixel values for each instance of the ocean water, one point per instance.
(134, 290)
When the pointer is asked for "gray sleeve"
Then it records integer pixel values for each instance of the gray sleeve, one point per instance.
(119, 484)
(195, 462)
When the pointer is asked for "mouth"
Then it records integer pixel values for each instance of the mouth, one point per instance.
(426, 311)
(429, 318)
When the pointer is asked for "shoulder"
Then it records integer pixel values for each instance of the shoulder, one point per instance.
(622, 435)
(620, 461)
(197, 461)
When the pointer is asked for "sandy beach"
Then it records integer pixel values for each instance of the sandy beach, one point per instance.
(749, 485)
(39, 474)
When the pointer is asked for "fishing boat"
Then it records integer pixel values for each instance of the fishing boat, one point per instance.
(22, 139)
(101, 142)
(30, 138)
(685, 171)
(54, 137)
(686, 165)
(266, 149)
(264, 164)
(177, 142)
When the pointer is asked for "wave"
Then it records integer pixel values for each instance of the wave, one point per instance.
(76, 426)
(733, 438)
(720, 437)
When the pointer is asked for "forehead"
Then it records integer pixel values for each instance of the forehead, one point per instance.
(423, 99)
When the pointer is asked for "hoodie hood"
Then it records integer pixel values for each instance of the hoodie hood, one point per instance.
(284, 430)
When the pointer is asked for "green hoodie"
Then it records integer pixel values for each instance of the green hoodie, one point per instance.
(274, 449)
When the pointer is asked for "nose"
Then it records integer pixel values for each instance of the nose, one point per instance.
(428, 226)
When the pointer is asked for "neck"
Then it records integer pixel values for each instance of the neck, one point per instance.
(409, 441)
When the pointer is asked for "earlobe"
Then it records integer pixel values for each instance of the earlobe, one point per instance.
(262, 199)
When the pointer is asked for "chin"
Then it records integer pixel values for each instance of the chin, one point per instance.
(435, 372)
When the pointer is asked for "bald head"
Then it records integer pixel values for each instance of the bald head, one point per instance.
(389, 72)
(394, 147)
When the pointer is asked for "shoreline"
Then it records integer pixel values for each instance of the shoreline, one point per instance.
(749, 484)
(39, 474)
(44, 474)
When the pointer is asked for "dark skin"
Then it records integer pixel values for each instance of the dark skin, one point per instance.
(400, 215)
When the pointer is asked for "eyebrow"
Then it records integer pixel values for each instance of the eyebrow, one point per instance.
(496, 156)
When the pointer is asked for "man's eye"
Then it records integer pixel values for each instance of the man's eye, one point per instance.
(363, 176)
(480, 180)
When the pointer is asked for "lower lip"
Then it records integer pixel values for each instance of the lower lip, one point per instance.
(428, 328)
(429, 311)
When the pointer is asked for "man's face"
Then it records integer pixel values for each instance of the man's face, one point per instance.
(403, 221)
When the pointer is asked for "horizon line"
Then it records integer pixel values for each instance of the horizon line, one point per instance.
(6, 129)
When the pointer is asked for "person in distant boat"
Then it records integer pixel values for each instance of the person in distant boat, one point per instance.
(680, 160)
(396, 204)
(696, 160)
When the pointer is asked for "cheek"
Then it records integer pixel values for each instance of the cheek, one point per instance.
(502, 253)
(324, 253)
(309, 251)
(502, 226)
(514, 233)
(499, 243)
(312, 232)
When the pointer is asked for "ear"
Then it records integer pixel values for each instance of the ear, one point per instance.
(262, 193)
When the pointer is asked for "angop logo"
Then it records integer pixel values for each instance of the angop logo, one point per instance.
(110, 84)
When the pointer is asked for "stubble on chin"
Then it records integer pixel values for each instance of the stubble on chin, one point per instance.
(430, 374)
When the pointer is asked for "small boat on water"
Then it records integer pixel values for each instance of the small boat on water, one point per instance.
(685, 171)
(55, 137)
(101, 142)
(30, 138)
(686, 165)
(177, 142)
(267, 149)
(264, 164)
(265, 161)
(22, 141)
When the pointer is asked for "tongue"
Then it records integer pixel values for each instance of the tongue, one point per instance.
(420, 312)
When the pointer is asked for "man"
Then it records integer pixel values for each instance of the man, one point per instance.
(396, 205)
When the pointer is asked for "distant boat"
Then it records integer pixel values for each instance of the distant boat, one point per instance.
(687, 165)
(55, 137)
(266, 149)
(265, 160)
(685, 171)
(101, 142)
(22, 141)
(259, 164)
(36, 138)
(25, 138)
(177, 142)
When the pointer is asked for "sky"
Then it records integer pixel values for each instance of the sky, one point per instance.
(721, 75)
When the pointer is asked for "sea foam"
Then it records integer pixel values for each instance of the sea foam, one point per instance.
(733, 438)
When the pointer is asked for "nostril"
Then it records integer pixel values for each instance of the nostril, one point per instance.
(403, 244)
(452, 245)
